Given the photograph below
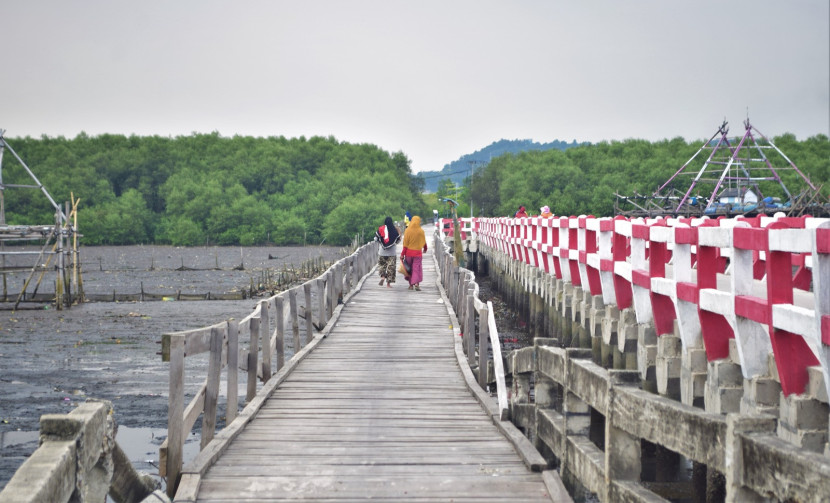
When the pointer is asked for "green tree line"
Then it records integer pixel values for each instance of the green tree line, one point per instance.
(205, 188)
(583, 180)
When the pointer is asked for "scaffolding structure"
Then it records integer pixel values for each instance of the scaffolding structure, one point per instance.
(737, 177)
(58, 250)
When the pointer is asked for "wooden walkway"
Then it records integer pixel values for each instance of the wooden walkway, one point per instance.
(378, 410)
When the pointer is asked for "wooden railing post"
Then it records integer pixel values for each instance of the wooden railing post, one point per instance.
(295, 319)
(265, 337)
(470, 328)
(253, 351)
(483, 341)
(175, 413)
(212, 388)
(233, 371)
(332, 298)
(309, 322)
(321, 301)
(279, 330)
(461, 291)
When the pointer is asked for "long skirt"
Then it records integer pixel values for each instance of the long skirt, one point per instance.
(386, 268)
(417, 274)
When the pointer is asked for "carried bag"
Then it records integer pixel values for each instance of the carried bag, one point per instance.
(404, 268)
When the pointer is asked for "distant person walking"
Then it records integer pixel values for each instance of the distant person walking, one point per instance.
(406, 219)
(388, 237)
(545, 212)
(521, 213)
(414, 246)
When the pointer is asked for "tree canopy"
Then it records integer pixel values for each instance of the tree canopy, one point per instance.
(582, 180)
(205, 188)
(208, 189)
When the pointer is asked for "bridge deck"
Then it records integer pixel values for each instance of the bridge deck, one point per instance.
(378, 410)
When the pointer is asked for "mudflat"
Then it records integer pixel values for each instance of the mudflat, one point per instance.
(51, 360)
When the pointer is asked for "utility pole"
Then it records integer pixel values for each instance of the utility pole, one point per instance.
(472, 164)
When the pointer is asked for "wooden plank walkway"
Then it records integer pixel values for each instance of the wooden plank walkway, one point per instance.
(378, 410)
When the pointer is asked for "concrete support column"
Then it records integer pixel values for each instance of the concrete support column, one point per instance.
(577, 415)
(585, 308)
(647, 356)
(609, 328)
(693, 376)
(803, 422)
(623, 451)
(735, 426)
(565, 310)
(596, 310)
(627, 340)
(669, 349)
(761, 395)
(724, 387)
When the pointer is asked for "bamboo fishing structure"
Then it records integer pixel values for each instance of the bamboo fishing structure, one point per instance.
(58, 240)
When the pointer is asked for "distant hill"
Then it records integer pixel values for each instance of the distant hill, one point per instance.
(458, 170)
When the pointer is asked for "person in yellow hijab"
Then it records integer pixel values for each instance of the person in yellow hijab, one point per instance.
(414, 246)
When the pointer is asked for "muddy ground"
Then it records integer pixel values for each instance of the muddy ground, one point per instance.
(51, 360)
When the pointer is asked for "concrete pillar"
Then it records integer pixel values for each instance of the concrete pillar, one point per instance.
(609, 328)
(623, 459)
(565, 309)
(803, 422)
(647, 356)
(735, 426)
(669, 348)
(761, 396)
(724, 387)
(627, 338)
(577, 415)
(693, 376)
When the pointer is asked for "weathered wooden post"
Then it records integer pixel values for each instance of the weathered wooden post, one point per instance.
(265, 337)
(253, 351)
(279, 330)
(233, 371)
(321, 300)
(212, 386)
(309, 322)
(470, 327)
(175, 413)
(295, 319)
(483, 345)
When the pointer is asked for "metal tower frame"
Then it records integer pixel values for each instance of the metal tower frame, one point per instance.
(740, 170)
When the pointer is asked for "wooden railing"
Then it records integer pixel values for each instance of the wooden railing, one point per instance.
(462, 291)
(264, 330)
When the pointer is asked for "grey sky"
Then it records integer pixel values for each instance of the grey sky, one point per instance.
(434, 79)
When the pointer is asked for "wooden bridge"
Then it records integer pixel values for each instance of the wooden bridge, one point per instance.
(374, 406)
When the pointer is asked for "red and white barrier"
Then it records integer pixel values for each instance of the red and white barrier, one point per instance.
(774, 296)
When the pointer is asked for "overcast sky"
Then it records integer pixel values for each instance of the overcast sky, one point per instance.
(433, 79)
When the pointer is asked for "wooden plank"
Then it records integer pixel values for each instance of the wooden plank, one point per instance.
(437, 486)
